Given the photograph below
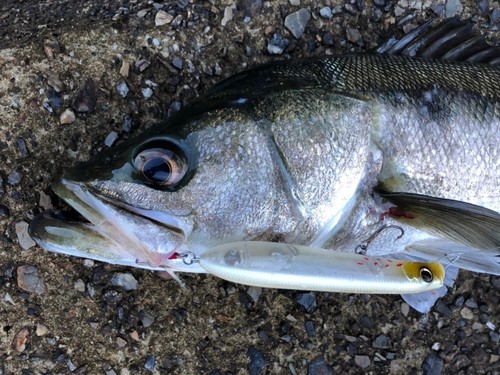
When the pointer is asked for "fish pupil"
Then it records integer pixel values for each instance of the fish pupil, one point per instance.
(157, 170)
(426, 274)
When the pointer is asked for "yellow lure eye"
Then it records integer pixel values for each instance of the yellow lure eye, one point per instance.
(427, 272)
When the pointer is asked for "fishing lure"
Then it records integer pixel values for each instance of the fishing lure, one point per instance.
(285, 266)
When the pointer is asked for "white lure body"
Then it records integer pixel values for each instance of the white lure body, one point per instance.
(285, 266)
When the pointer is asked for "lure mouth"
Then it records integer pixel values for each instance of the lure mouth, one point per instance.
(111, 232)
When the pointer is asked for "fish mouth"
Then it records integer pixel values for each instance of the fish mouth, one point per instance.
(114, 232)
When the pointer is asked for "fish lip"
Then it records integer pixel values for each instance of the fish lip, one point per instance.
(123, 234)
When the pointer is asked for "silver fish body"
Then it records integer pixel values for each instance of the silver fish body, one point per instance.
(294, 152)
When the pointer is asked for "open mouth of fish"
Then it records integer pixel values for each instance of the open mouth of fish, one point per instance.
(112, 232)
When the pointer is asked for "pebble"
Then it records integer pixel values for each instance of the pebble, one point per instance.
(41, 329)
(51, 47)
(19, 343)
(29, 280)
(150, 363)
(252, 8)
(441, 308)
(14, 178)
(4, 211)
(67, 117)
(296, 22)
(254, 292)
(147, 93)
(178, 63)
(228, 14)
(147, 318)
(86, 98)
(354, 36)
(45, 202)
(381, 342)
(326, 12)
(310, 329)
(432, 365)
(318, 367)
(471, 302)
(127, 124)
(467, 313)
(452, 8)
(23, 237)
(121, 343)
(122, 89)
(54, 98)
(295, 2)
(306, 301)
(163, 18)
(257, 362)
(141, 65)
(23, 150)
(362, 361)
(125, 280)
(405, 309)
(125, 69)
(111, 138)
(79, 285)
(71, 366)
(366, 322)
(55, 82)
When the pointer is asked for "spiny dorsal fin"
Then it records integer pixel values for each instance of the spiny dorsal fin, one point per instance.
(458, 221)
(452, 40)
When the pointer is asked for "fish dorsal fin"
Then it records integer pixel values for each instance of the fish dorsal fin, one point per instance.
(452, 40)
(458, 221)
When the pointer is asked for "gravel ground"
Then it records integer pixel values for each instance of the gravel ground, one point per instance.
(62, 315)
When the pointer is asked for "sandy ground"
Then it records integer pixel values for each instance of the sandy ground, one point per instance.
(78, 321)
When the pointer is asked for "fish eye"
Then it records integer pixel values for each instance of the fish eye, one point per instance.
(162, 166)
(426, 274)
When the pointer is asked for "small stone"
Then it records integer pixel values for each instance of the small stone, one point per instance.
(147, 318)
(67, 117)
(51, 47)
(432, 365)
(86, 99)
(366, 322)
(306, 301)
(254, 292)
(125, 280)
(310, 330)
(295, 3)
(362, 361)
(467, 313)
(4, 211)
(45, 202)
(354, 36)
(257, 362)
(55, 82)
(19, 343)
(441, 308)
(122, 89)
(14, 178)
(127, 124)
(477, 326)
(71, 366)
(125, 69)
(41, 329)
(436, 346)
(494, 336)
(121, 343)
(111, 138)
(318, 367)
(80, 285)
(150, 363)
(452, 8)
(228, 14)
(471, 302)
(29, 280)
(405, 309)
(23, 150)
(163, 18)
(296, 22)
(326, 12)
(23, 237)
(147, 93)
(134, 335)
(141, 65)
(142, 13)
(494, 358)
(88, 263)
(178, 63)
(381, 342)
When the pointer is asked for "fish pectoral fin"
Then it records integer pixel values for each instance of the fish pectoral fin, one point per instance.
(461, 222)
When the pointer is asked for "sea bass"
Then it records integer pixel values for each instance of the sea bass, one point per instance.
(393, 153)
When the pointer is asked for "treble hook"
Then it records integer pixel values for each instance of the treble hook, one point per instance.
(188, 258)
(361, 249)
(449, 259)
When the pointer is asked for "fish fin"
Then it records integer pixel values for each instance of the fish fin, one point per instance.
(423, 302)
(461, 222)
(452, 40)
(459, 255)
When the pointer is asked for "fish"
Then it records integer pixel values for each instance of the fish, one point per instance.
(391, 153)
